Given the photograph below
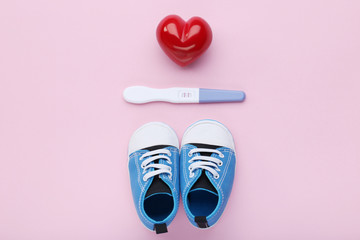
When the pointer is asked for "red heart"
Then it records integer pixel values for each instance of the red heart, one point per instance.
(182, 41)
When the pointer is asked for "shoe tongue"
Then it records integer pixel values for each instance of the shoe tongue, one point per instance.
(202, 183)
(157, 185)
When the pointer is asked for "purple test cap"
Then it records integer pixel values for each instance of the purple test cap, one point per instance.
(215, 95)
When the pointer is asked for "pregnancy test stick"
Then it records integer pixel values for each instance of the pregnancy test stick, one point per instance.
(140, 94)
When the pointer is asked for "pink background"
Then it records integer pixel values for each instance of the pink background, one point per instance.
(64, 127)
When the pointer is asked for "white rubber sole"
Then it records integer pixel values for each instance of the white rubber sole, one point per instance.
(227, 141)
(154, 133)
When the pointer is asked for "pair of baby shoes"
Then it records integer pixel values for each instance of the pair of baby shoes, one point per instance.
(203, 171)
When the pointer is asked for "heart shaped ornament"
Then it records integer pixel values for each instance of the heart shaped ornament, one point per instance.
(183, 42)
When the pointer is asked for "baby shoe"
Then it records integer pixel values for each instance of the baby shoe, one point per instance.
(154, 174)
(207, 164)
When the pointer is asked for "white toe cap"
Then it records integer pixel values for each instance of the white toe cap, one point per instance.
(208, 132)
(152, 134)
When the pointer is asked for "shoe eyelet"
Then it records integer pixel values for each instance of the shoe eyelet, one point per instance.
(220, 164)
(216, 176)
(142, 166)
(144, 179)
(190, 168)
(221, 155)
(190, 155)
(169, 154)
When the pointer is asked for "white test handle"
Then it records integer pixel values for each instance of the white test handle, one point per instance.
(140, 94)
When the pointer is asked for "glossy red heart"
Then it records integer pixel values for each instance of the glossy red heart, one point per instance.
(182, 41)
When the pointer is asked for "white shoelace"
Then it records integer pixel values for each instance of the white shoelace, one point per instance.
(158, 167)
(204, 162)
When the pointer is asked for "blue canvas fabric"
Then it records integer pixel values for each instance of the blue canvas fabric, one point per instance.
(223, 184)
(140, 187)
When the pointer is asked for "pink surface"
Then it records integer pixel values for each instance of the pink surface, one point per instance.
(64, 126)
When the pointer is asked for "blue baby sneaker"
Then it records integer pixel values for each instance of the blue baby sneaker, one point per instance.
(154, 174)
(207, 165)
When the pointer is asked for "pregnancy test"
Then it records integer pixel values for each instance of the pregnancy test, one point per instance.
(140, 94)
